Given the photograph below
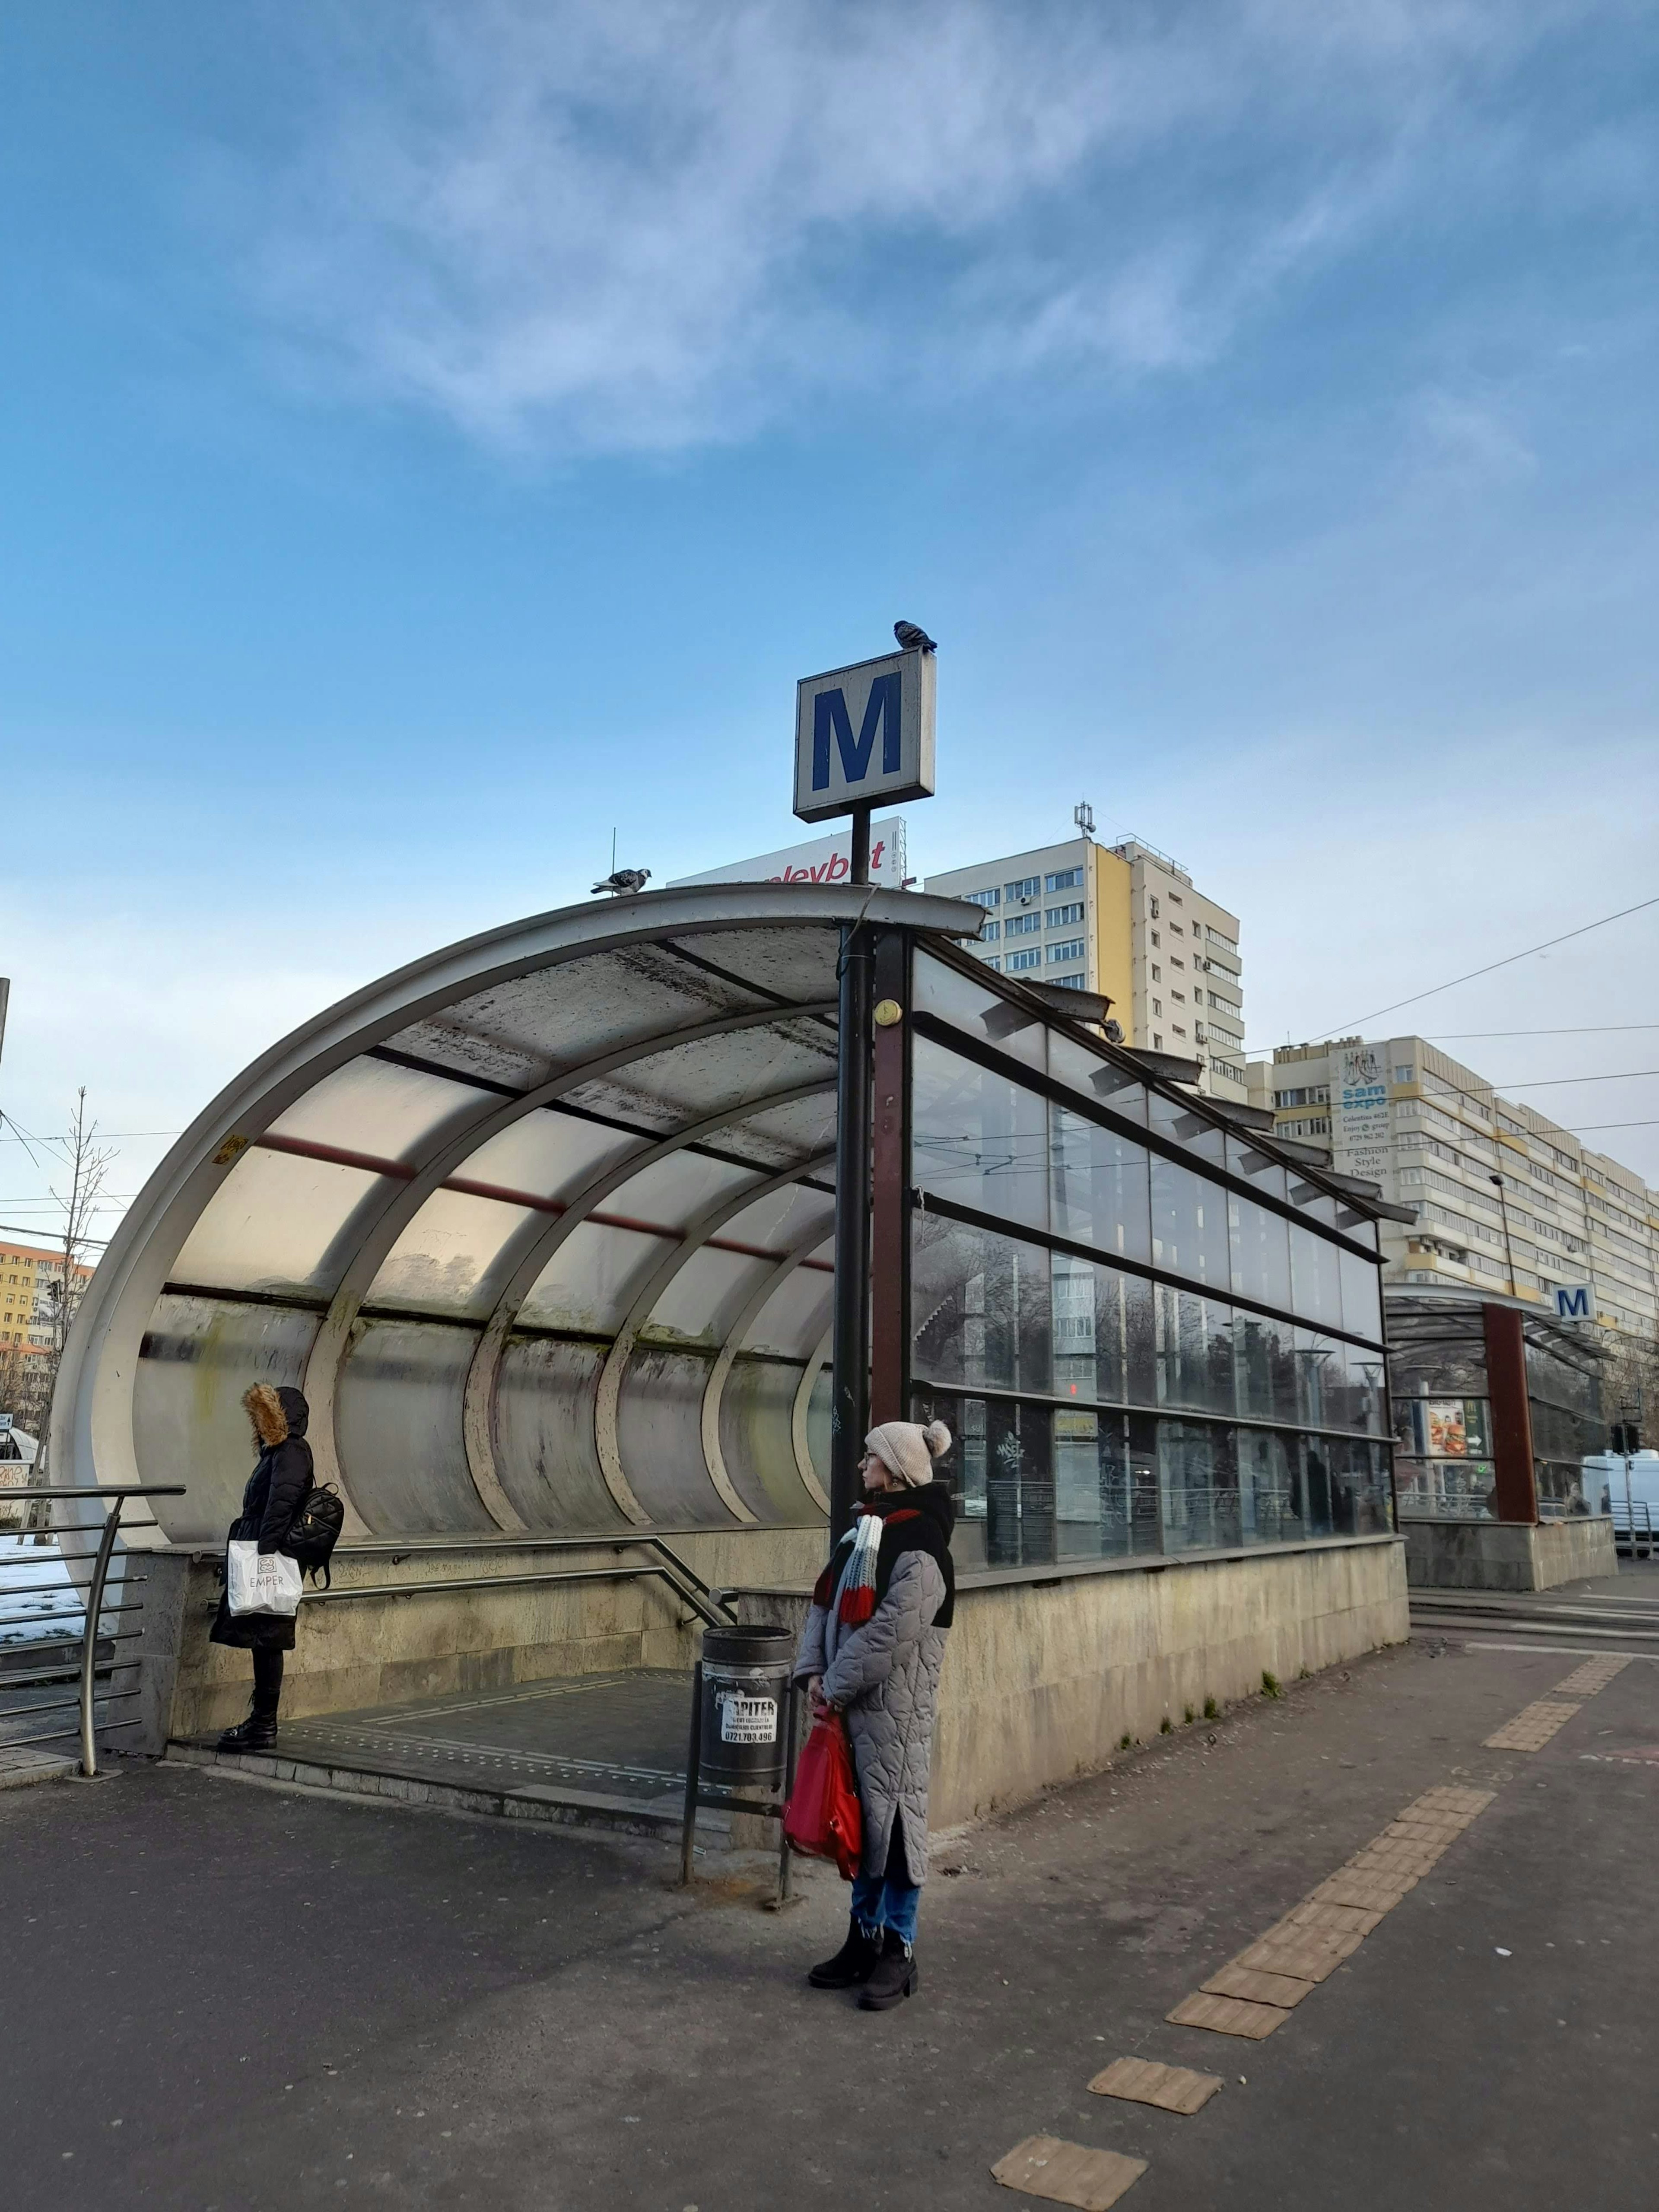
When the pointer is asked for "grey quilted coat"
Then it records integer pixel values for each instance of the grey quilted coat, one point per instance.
(885, 1676)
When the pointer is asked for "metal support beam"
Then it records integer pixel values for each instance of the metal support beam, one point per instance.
(850, 1400)
(889, 1190)
(1514, 1470)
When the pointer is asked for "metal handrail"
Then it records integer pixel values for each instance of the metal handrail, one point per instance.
(94, 1609)
(703, 1605)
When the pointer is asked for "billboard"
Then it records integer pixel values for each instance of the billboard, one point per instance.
(821, 860)
(1360, 1113)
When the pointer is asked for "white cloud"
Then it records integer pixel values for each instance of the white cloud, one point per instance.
(645, 225)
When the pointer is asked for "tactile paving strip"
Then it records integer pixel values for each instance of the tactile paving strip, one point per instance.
(1144, 2081)
(1532, 1728)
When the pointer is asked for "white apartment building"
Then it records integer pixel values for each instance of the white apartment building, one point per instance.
(1506, 1199)
(1126, 921)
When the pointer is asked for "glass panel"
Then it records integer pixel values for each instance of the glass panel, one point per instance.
(1019, 1510)
(1106, 1501)
(1097, 1077)
(1265, 1367)
(778, 1222)
(1317, 1205)
(545, 1454)
(1260, 1253)
(937, 989)
(1194, 1352)
(1316, 1278)
(454, 1257)
(1321, 1371)
(660, 1438)
(549, 1153)
(374, 1106)
(1268, 1503)
(977, 1139)
(981, 1304)
(1194, 1132)
(188, 1425)
(1101, 1190)
(757, 1410)
(398, 1421)
(1198, 1472)
(702, 1300)
(793, 1319)
(1267, 1176)
(1362, 1296)
(1367, 1391)
(674, 1191)
(280, 1222)
(592, 1280)
(1189, 1225)
(683, 1082)
(1310, 1484)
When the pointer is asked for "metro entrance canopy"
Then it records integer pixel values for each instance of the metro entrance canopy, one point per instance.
(543, 1226)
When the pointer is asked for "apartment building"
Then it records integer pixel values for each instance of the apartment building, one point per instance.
(1125, 920)
(30, 1279)
(1506, 1199)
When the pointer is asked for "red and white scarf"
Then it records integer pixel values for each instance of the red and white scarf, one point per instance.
(858, 1583)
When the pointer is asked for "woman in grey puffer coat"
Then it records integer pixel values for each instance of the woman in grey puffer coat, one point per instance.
(872, 1649)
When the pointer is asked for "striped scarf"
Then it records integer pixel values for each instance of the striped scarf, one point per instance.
(858, 1585)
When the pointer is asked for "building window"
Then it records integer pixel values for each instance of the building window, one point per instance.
(994, 965)
(1026, 887)
(1062, 917)
(1157, 973)
(1157, 1005)
(1018, 962)
(1154, 909)
(1179, 1031)
(990, 933)
(1225, 1005)
(1067, 982)
(1064, 879)
(983, 898)
(1157, 1042)
(1406, 1074)
(1071, 950)
(1022, 925)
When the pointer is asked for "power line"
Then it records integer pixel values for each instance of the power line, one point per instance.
(1507, 961)
(1465, 1036)
(1551, 1082)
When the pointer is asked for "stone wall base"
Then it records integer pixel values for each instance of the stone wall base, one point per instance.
(1508, 1555)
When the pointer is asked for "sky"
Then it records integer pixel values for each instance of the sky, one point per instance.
(436, 436)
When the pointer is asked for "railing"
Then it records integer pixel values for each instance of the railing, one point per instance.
(1633, 1524)
(59, 1598)
(686, 1584)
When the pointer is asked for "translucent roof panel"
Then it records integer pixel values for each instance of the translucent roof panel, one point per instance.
(540, 1224)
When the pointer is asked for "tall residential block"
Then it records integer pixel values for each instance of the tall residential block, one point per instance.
(1506, 1199)
(1127, 920)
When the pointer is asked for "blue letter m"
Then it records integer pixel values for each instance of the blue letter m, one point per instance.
(829, 713)
(1573, 1305)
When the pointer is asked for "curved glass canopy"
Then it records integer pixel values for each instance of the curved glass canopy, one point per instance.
(541, 1224)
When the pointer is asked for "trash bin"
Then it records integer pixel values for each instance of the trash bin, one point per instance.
(745, 1682)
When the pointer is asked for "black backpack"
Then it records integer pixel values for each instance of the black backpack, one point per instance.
(315, 1530)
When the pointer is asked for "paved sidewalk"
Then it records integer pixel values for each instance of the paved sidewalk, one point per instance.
(243, 1998)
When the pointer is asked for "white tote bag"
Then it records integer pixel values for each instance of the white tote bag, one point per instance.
(261, 1582)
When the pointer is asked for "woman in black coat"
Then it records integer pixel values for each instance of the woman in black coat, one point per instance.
(276, 1491)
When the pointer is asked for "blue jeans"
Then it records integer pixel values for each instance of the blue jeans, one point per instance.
(890, 1899)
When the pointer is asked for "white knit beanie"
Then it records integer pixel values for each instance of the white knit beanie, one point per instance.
(908, 1450)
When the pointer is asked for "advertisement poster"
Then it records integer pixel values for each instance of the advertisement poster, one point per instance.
(1360, 1114)
(1447, 1438)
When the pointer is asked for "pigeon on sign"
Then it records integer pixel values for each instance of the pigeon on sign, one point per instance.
(912, 639)
(621, 880)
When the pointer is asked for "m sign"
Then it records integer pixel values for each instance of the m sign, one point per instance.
(1574, 1301)
(864, 735)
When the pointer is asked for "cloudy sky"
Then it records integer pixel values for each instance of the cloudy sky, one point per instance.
(435, 434)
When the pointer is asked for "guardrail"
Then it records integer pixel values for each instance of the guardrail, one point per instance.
(1633, 1524)
(60, 1598)
(684, 1580)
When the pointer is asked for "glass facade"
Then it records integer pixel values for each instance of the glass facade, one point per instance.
(1136, 1356)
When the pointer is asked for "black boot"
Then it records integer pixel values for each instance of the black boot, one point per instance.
(256, 1732)
(895, 1977)
(851, 1964)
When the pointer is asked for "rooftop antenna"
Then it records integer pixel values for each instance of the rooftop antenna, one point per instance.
(1083, 815)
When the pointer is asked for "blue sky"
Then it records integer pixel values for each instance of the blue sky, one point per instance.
(435, 434)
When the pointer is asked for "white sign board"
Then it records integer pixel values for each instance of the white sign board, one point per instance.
(820, 860)
(1360, 1114)
(1575, 1301)
(864, 735)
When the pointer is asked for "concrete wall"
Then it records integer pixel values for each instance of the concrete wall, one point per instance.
(372, 1651)
(1042, 1679)
(1508, 1555)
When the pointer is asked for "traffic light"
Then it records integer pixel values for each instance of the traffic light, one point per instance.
(1626, 1438)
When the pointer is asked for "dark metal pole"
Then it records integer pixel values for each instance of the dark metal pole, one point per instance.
(849, 1403)
(693, 1778)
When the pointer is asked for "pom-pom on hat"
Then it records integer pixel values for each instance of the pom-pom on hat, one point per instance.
(908, 1450)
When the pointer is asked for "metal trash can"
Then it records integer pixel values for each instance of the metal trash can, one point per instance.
(746, 1684)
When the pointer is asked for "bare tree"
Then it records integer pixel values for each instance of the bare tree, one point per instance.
(87, 1163)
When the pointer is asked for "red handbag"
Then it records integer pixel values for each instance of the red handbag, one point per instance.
(823, 1818)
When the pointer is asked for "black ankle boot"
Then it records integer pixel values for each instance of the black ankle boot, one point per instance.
(851, 1964)
(895, 1976)
(256, 1732)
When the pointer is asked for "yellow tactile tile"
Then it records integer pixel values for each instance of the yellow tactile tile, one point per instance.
(1371, 1893)
(1532, 1728)
(1068, 2173)
(1329, 1920)
(1450, 1801)
(1228, 2017)
(1258, 1985)
(1144, 2081)
(1585, 1682)
(1303, 1954)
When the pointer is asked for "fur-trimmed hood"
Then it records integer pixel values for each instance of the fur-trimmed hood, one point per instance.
(278, 1412)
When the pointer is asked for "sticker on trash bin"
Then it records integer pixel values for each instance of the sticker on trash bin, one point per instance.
(748, 1720)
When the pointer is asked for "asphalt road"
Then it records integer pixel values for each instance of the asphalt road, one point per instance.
(222, 1996)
